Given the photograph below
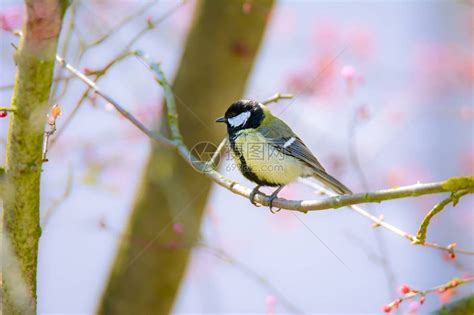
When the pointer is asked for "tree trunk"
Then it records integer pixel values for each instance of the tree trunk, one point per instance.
(35, 59)
(152, 256)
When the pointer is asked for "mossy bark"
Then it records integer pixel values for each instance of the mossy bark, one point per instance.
(152, 256)
(35, 65)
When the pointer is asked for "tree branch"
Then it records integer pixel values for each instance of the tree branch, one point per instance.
(7, 109)
(275, 98)
(159, 138)
(452, 184)
(413, 293)
(114, 29)
(454, 198)
(122, 55)
(379, 222)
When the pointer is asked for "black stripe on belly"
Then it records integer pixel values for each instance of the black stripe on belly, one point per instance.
(247, 170)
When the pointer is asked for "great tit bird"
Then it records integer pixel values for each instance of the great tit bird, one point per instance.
(268, 152)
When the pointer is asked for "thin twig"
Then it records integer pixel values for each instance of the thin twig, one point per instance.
(379, 222)
(122, 55)
(413, 293)
(7, 109)
(275, 98)
(454, 197)
(117, 27)
(47, 135)
(152, 24)
(379, 240)
(159, 138)
(65, 46)
(55, 112)
(98, 74)
(169, 98)
(70, 117)
(353, 156)
(214, 161)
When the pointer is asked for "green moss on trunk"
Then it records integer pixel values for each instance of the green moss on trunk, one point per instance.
(35, 65)
(152, 258)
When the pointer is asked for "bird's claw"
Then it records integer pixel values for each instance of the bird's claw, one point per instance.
(275, 211)
(271, 205)
(272, 197)
(270, 201)
(252, 196)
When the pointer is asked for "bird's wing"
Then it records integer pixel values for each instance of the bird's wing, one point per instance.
(286, 141)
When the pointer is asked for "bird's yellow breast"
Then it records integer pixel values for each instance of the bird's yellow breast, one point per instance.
(265, 161)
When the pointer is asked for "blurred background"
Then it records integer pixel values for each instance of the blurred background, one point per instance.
(383, 97)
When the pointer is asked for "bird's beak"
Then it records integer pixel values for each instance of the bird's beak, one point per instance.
(220, 119)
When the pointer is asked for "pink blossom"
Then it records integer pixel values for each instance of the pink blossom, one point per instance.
(404, 289)
(10, 18)
(351, 77)
(271, 302)
(348, 73)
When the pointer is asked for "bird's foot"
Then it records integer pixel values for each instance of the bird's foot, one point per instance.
(271, 207)
(273, 196)
(252, 195)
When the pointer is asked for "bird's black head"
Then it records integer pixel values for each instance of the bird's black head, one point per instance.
(243, 114)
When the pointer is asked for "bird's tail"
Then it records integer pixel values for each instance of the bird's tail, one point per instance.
(332, 183)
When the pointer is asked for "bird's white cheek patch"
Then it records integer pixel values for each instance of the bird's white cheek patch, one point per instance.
(289, 142)
(239, 119)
